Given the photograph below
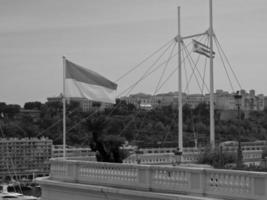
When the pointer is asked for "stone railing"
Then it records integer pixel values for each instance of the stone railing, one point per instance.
(227, 184)
(233, 148)
(158, 158)
(161, 158)
(249, 157)
(170, 150)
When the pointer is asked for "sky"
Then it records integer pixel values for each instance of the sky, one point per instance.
(112, 36)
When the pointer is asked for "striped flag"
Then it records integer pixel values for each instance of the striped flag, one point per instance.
(202, 49)
(85, 83)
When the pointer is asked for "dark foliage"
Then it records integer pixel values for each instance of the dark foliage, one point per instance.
(33, 105)
(107, 130)
(217, 158)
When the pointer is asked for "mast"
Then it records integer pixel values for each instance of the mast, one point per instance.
(64, 108)
(212, 127)
(180, 103)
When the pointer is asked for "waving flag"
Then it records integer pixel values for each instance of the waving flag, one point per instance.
(202, 49)
(82, 82)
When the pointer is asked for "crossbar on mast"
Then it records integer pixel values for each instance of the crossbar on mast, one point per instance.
(194, 35)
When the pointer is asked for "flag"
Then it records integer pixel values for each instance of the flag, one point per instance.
(202, 49)
(85, 83)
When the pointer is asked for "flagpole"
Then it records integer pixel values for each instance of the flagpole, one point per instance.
(64, 107)
(212, 127)
(180, 104)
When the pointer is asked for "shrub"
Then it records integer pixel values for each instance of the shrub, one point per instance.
(264, 152)
(217, 158)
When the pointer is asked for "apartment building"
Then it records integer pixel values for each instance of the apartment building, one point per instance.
(57, 151)
(24, 157)
(251, 101)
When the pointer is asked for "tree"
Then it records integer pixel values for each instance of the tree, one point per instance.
(216, 158)
(107, 147)
(96, 104)
(264, 152)
(2, 106)
(35, 105)
(11, 110)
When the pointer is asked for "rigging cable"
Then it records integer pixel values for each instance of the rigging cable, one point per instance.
(227, 60)
(147, 72)
(175, 69)
(185, 71)
(191, 76)
(172, 73)
(190, 61)
(204, 75)
(224, 66)
(144, 60)
(164, 69)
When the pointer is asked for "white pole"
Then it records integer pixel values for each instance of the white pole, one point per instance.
(64, 108)
(180, 103)
(212, 128)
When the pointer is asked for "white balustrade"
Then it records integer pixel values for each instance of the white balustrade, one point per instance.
(229, 184)
(189, 156)
(238, 184)
(58, 169)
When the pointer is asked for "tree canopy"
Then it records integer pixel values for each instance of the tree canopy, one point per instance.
(157, 127)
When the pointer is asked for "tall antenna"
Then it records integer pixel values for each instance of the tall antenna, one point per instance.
(180, 103)
(64, 108)
(212, 127)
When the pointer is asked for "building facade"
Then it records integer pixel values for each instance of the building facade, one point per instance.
(85, 104)
(57, 151)
(223, 100)
(24, 158)
(251, 101)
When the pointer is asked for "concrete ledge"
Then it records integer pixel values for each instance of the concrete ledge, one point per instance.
(101, 192)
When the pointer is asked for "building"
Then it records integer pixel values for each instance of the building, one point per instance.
(20, 158)
(85, 104)
(251, 101)
(167, 99)
(57, 151)
(223, 100)
(193, 100)
(145, 101)
(142, 101)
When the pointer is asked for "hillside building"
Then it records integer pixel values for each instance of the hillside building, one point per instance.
(57, 151)
(223, 100)
(85, 104)
(21, 158)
